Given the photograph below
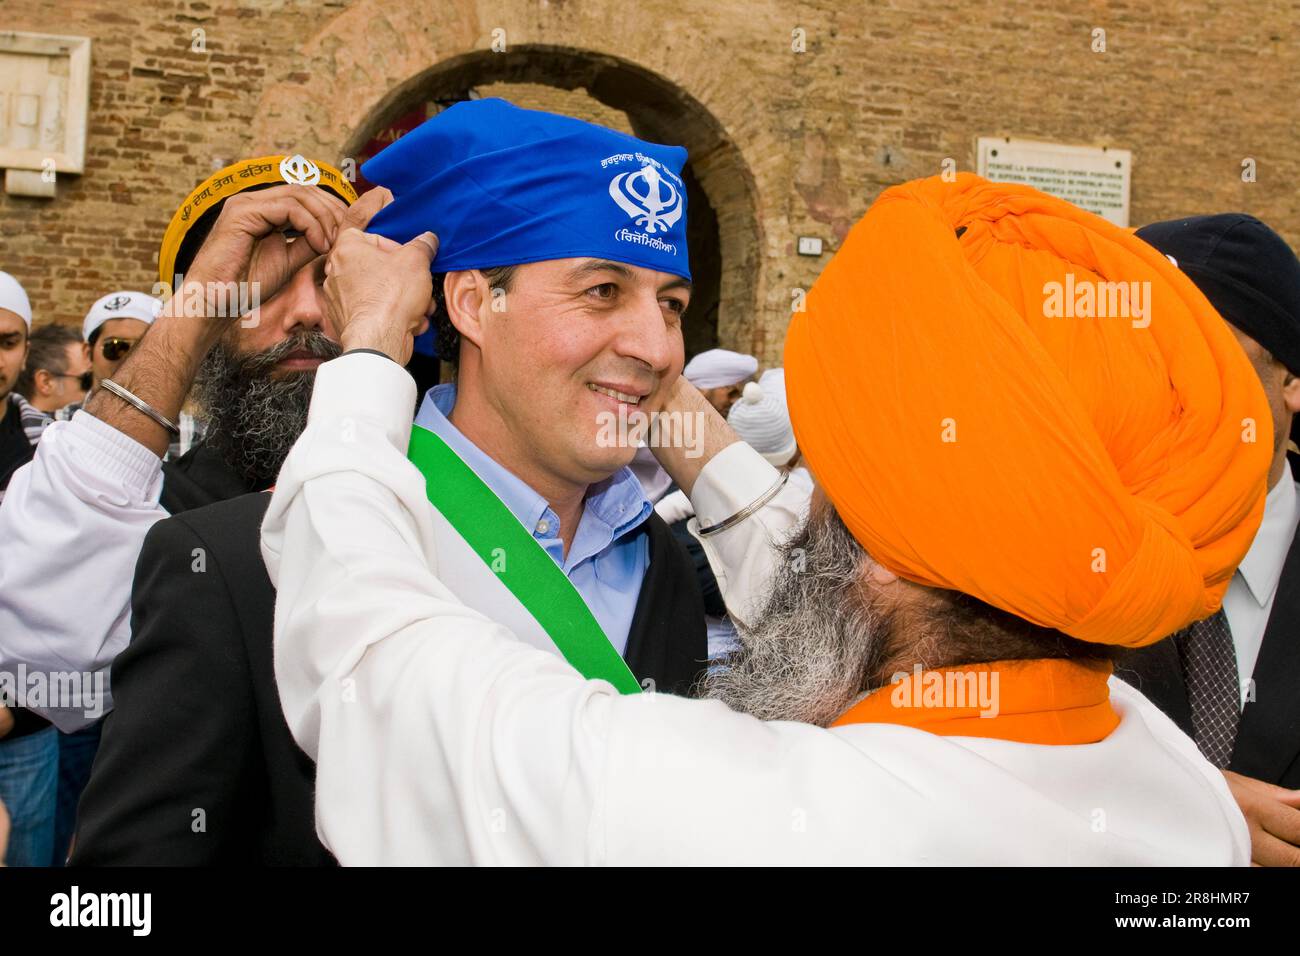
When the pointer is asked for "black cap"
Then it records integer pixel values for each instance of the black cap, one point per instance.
(1246, 270)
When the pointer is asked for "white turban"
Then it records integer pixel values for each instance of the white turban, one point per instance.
(120, 305)
(14, 298)
(773, 382)
(763, 422)
(718, 368)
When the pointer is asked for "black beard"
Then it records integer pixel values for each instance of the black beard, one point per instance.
(254, 419)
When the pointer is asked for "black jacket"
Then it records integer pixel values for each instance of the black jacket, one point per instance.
(197, 723)
(1268, 737)
(200, 477)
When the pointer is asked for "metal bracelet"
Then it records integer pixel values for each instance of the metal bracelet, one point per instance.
(140, 405)
(746, 511)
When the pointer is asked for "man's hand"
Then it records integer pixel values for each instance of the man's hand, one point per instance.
(248, 241)
(1273, 816)
(363, 210)
(685, 464)
(379, 293)
(245, 245)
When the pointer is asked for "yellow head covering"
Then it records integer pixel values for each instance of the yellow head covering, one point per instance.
(221, 185)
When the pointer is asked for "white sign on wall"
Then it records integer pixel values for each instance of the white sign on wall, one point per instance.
(44, 93)
(1093, 178)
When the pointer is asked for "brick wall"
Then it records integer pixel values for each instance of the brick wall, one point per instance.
(785, 144)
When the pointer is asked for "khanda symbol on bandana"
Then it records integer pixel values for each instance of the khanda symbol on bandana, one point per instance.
(117, 302)
(657, 208)
(298, 170)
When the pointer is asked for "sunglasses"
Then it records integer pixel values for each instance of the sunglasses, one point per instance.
(84, 380)
(113, 348)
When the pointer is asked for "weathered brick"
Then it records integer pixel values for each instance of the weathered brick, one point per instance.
(784, 144)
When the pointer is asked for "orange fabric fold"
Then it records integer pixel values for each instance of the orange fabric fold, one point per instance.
(1100, 474)
(1031, 702)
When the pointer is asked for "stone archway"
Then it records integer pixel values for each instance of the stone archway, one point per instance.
(725, 231)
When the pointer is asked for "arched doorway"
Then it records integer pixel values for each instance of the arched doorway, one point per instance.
(722, 232)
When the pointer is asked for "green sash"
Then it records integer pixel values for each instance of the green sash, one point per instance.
(529, 573)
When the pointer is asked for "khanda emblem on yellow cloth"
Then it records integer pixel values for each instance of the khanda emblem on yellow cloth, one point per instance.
(298, 170)
(653, 203)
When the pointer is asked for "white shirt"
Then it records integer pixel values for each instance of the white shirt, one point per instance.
(71, 528)
(440, 738)
(721, 632)
(744, 556)
(1248, 602)
(72, 524)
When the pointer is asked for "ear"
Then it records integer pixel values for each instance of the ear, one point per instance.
(1291, 393)
(880, 574)
(467, 297)
(43, 381)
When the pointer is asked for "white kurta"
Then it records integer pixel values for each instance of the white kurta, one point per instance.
(440, 738)
(71, 528)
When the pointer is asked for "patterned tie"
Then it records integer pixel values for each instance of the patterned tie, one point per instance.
(1210, 666)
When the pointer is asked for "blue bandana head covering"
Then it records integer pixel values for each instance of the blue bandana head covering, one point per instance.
(502, 185)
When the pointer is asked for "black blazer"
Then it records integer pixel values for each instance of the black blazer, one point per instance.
(1268, 737)
(197, 723)
(200, 477)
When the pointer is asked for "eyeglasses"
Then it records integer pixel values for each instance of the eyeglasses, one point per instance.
(113, 348)
(84, 380)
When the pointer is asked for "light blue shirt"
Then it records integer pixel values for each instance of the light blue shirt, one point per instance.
(606, 562)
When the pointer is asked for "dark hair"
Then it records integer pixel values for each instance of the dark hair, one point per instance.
(446, 338)
(980, 632)
(957, 630)
(954, 629)
(49, 351)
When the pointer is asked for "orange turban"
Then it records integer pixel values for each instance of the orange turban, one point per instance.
(1098, 475)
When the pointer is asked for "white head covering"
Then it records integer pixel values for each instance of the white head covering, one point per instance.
(773, 382)
(763, 422)
(718, 368)
(14, 298)
(120, 305)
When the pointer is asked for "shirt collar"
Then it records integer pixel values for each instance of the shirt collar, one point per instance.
(1261, 568)
(618, 503)
(29, 413)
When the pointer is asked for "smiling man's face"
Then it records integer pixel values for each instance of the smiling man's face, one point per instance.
(571, 342)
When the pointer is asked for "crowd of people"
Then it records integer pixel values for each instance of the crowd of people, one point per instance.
(963, 581)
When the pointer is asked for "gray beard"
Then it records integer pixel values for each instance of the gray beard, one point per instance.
(809, 654)
(254, 419)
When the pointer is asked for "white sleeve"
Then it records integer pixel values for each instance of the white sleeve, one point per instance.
(744, 557)
(72, 524)
(674, 507)
(441, 739)
(438, 737)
